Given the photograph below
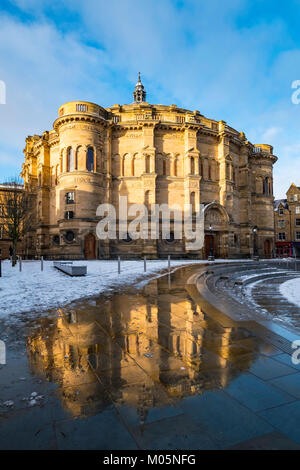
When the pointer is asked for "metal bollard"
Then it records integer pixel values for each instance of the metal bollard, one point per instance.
(145, 264)
(42, 263)
(169, 262)
(119, 265)
(20, 263)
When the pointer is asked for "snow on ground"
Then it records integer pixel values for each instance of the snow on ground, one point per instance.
(291, 290)
(270, 271)
(33, 290)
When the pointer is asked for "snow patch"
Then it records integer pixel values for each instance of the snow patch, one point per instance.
(33, 290)
(291, 290)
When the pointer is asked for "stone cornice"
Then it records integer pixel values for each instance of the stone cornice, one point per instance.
(76, 118)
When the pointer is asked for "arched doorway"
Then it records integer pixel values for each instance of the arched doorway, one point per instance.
(216, 230)
(90, 246)
(267, 248)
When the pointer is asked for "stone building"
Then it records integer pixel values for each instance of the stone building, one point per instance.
(151, 154)
(287, 223)
(6, 190)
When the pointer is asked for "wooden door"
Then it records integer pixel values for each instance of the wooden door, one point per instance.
(209, 242)
(267, 248)
(90, 246)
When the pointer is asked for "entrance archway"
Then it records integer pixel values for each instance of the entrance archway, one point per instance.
(216, 230)
(90, 246)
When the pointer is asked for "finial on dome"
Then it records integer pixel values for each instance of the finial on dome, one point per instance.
(139, 94)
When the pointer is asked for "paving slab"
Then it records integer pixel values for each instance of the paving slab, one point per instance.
(290, 384)
(285, 418)
(226, 421)
(102, 431)
(255, 393)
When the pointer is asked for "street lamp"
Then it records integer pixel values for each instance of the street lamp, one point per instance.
(255, 253)
(211, 250)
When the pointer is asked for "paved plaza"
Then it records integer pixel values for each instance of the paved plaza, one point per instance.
(156, 368)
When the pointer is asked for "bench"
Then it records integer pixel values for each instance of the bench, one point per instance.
(68, 268)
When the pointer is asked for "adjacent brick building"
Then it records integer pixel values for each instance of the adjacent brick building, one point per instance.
(287, 223)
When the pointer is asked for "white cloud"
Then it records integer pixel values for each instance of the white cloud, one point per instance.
(270, 133)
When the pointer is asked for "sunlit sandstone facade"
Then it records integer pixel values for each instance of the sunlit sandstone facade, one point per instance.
(151, 154)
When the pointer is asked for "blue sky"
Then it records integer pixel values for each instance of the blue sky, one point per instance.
(233, 60)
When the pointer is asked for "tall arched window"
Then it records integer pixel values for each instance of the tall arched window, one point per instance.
(192, 166)
(147, 199)
(70, 159)
(175, 167)
(266, 185)
(227, 171)
(193, 202)
(90, 159)
(209, 171)
(164, 168)
(201, 168)
(147, 163)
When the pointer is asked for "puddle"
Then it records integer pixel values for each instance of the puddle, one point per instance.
(141, 349)
(132, 357)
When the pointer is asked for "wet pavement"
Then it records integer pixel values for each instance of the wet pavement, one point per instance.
(149, 369)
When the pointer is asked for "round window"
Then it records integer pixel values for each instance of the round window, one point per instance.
(70, 236)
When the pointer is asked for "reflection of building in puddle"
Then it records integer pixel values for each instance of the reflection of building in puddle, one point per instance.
(137, 351)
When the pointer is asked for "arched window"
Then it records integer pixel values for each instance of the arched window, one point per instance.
(164, 168)
(201, 168)
(193, 202)
(209, 171)
(227, 171)
(147, 163)
(90, 159)
(70, 159)
(175, 167)
(192, 166)
(266, 186)
(147, 199)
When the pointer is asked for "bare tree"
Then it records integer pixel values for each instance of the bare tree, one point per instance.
(17, 213)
